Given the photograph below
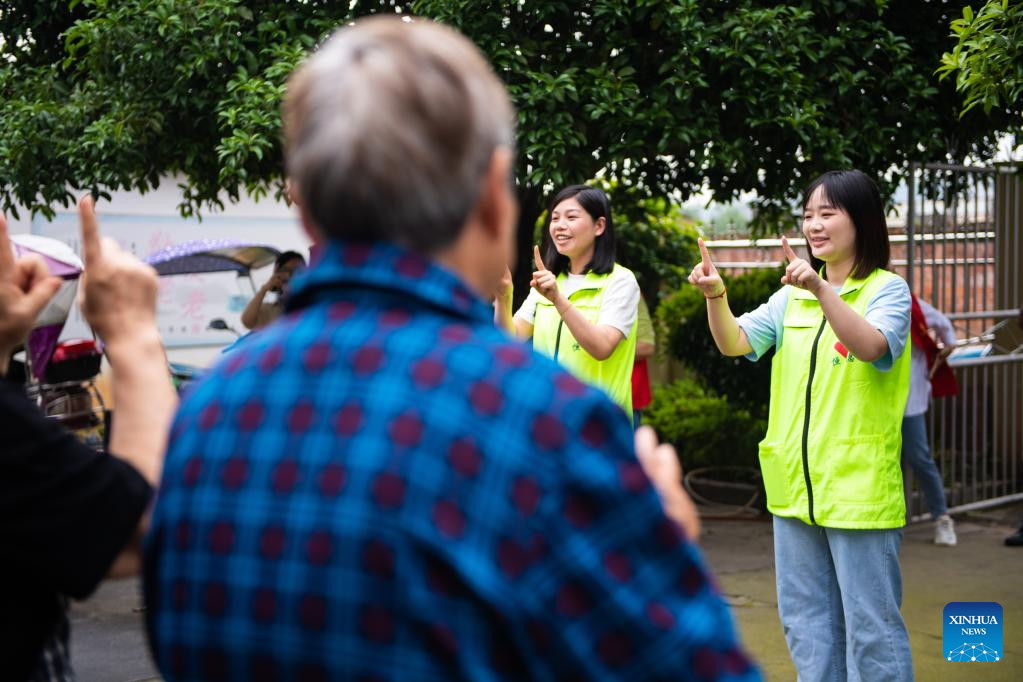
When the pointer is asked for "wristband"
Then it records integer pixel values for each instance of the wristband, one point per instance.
(711, 298)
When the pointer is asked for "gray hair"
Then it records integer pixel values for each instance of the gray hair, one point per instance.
(389, 130)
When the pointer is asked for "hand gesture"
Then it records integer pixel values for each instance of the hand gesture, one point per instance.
(505, 287)
(118, 295)
(705, 276)
(277, 281)
(799, 273)
(25, 288)
(940, 359)
(544, 280)
(662, 467)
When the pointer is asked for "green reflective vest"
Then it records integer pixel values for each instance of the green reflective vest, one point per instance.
(831, 456)
(552, 337)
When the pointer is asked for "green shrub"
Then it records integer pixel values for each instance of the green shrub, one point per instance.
(702, 425)
(682, 322)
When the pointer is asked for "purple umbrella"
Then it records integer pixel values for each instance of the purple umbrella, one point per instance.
(212, 255)
(60, 260)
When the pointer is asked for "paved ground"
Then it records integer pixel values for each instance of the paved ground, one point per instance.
(108, 644)
(980, 568)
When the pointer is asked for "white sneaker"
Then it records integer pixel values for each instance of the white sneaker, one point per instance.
(945, 531)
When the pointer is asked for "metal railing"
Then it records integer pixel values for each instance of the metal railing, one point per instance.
(961, 252)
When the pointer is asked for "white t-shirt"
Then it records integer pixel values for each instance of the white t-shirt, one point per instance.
(618, 308)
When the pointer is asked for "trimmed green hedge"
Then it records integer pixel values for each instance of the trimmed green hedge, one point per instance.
(682, 320)
(705, 428)
(717, 414)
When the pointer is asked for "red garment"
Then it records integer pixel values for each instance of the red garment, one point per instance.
(641, 395)
(943, 383)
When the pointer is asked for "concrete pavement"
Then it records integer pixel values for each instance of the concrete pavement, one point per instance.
(979, 568)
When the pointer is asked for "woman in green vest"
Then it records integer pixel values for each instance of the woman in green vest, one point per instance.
(830, 459)
(583, 306)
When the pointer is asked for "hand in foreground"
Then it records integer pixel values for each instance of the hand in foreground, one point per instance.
(118, 295)
(662, 467)
(705, 276)
(544, 280)
(799, 273)
(25, 288)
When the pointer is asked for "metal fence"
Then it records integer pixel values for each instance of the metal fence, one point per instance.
(959, 243)
(962, 252)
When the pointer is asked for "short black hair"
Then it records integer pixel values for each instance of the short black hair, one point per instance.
(288, 256)
(595, 202)
(853, 192)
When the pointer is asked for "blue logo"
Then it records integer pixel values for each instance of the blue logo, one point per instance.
(972, 632)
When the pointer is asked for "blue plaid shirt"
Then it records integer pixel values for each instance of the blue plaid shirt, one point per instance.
(383, 486)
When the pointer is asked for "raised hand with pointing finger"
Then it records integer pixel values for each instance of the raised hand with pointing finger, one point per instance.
(118, 295)
(705, 276)
(544, 280)
(25, 288)
(118, 300)
(799, 272)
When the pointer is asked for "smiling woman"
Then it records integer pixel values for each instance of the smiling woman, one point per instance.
(583, 307)
(831, 456)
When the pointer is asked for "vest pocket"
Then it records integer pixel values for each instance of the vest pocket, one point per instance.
(852, 470)
(773, 469)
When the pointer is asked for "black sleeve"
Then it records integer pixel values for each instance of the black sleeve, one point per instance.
(66, 511)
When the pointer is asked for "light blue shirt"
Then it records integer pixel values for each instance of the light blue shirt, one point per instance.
(889, 312)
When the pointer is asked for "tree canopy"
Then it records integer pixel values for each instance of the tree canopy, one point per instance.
(666, 97)
(987, 59)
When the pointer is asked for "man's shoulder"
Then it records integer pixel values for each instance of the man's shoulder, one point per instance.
(424, 360)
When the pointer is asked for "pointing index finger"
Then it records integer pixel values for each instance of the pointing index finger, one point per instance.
(6, 256)
(789, 253)
(90, 230)
(536, 258)
(704, 253)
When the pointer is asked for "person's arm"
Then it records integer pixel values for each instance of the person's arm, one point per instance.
(119, 303)
(523, 330)
(503, 318)
(250, 316)
(67, 512)
(646, 340)
(862, 339)
(503, 303)
(728, 335)
(937, 321)
(599, 340)
(944, 330)
(522, 321)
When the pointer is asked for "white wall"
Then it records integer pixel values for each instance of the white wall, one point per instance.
(144, 223)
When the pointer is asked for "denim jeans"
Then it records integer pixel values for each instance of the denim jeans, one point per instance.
(917, 454)
(839, 593)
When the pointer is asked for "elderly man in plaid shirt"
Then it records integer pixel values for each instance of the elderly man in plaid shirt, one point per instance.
(381, 484)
